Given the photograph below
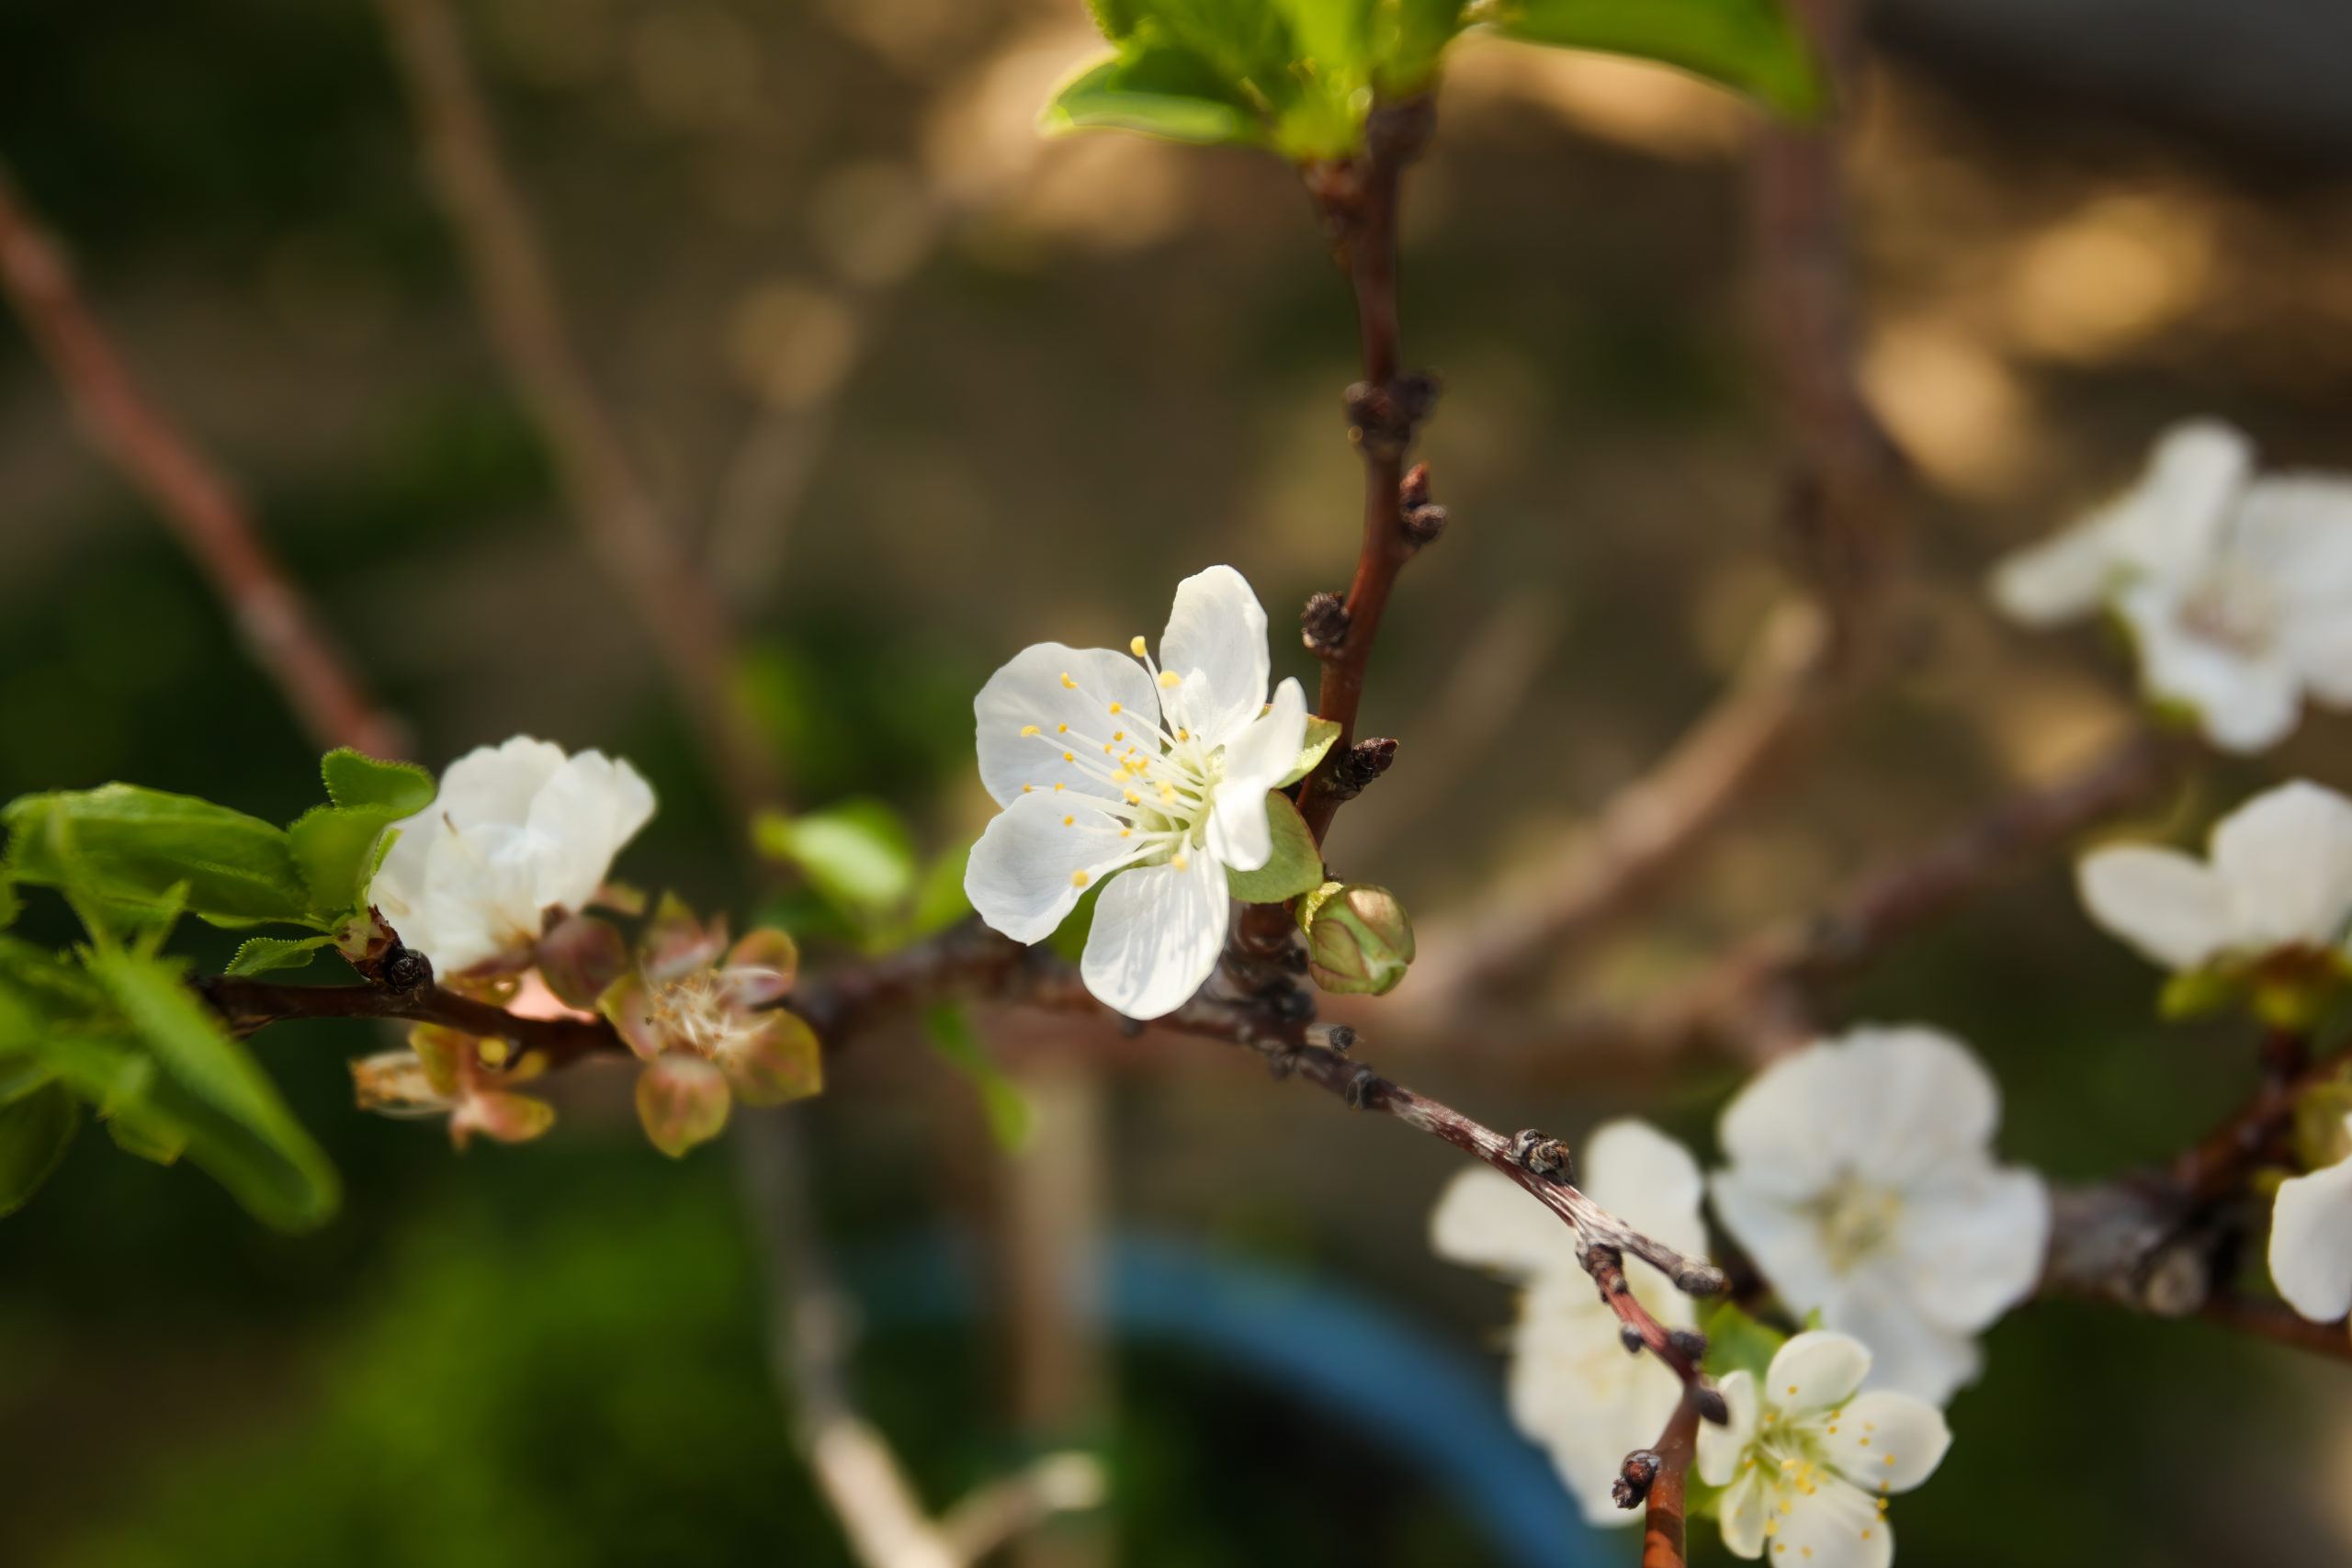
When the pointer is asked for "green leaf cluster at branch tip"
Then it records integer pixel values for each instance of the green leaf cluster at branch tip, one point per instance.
(1300, 77)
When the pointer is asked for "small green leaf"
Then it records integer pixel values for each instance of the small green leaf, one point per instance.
(857, 853)
(355, 781)
(35, 1131)
(1321, 733)
(212, 1090)
(260, 955)
(1748, 45)
(337, 852)
(132, 847)
(953, 1036)
(939, 901)
(142, 1134)
(1294, 867)
(11, 905)
(2196, 993)
(1409, 36)
(1158, 89)
(1738, 1342)
(21, 1072)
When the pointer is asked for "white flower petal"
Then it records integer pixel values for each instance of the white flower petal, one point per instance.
(2170, 524)
(2062, 578)
(1647, 1180)
(1742, 1511)
(1974, 1246)
(1930, 1100)
(1909, 1352)
(1814, 1370)
(1786, 1131)
(1574, 1390)
(2296, 531)
(1781, 1235)
(2248, 697)
(1719, 1447)
(1036, 858)
(479, 894)
(2311, 1242)
(2164, 903)
(1487, 1220)
(1029, 693)
(1157, 932)
(2285, 859)
(1216, 630)
(584, 815)
(1255, 762)
(1888, 1441)
(1834, 1525)
(495, 783)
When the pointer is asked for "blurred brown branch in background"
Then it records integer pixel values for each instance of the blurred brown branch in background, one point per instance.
(515, 291)
(271, 614)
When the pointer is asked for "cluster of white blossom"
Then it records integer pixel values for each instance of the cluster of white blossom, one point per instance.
(2236, 589)
(2271, 908)
(1861, 1183)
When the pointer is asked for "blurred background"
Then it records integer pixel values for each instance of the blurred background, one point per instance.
(922, 389)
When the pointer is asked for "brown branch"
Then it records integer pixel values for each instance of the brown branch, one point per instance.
(276, 624)
(515, 291)
(1663, 1543)
(2280, 1323)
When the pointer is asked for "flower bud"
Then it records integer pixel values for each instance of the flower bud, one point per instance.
(1358, 938)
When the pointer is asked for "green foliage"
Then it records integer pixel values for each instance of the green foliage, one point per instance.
(1321, 733)
(36, 1127)
(857, 854)
(260, 955)
(1751, 46)
(357, 782)
(1294, 867)
(1736, 1342)
(140, 855)
(953, 1036)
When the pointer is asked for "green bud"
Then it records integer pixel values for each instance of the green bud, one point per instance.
(1358, 937)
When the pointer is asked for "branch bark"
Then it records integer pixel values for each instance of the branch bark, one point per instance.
(272, 617)
(1663, 1542)
(516, 290)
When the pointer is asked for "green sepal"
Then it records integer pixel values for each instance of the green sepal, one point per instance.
(357, 782)
(1321, 733)
(1736, 1342)
(1750, 46)
(261, 954)
(1408, 36)
(1294, 867)
(2196, 993)
(131, 848)
(1011, 1120)
(35, 1129)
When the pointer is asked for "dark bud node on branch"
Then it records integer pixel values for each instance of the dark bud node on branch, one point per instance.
(403, 969)
(1337, 1037)
(1631, 1337)
(1362, 1086)
(1544, 1154)
(1703, 1280)
(1323, 625)
(1712, 1408)
(1358, 766)
(1384, 418)
(1422, 518)
(1688, 1343)
(1632, 1488)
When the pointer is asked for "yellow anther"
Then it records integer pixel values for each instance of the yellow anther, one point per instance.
(1116, 735)
(1057, 789)
(1889, 1459)
(1106, 750)
(1061, 729)
(1180, 863)
(1126, 833)
(1028, 730)
(1133, 798)
(1068, 685)
(1069, 756)
(1168, 792)
(1170, 679)
(1068, 820)
(1792, 1388)
(1182, 733)
(492, 1051)
(1116, 708)
(1078, 879)
(1787, 1507)
(1134, 646)
(1026, 789)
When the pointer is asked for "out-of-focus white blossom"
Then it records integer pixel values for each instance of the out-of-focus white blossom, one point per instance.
(1108, 765)
(2237, 590)
(2278, 876)
(1572, 1386)
(1862, 1183)
(2310, 1238)
(1806, 1462)
(515, 831)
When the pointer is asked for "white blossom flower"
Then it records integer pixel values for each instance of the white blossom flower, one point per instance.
(2237, 590)
(2311, 1239)
(1572, 1386)
(2280, 877)
(1862, 1183)
(1106, 764)
(1806, 1462)
(516, 831)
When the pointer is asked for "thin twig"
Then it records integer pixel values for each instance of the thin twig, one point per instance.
(271, 614)
(515, 291)
(1663, 1542)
